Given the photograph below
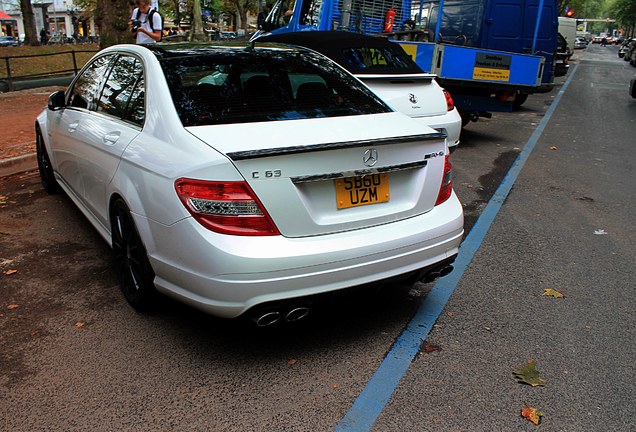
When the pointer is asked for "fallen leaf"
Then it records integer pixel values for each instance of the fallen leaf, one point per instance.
(13, 306)
(336, 385)
(9, 272)
(532, 414)
(79, 324)
(554, 148)
(552, 293)
(529, 374)
(292, 362)
(431, 348)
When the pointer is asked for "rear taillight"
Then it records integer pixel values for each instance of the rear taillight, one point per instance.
(446, 188)
(225, 207)
(450, 104)
(506, 96)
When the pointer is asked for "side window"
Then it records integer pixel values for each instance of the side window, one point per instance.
(123, 92)
(136, 109)
(84, 91)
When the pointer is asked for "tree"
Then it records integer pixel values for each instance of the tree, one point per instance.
(625, 13)
(239, 8)
(111, 18)
(28, 19)
(196, 31)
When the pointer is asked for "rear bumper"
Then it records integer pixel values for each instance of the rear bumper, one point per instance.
(227, 275)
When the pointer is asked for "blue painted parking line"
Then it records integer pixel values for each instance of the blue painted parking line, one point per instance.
(371, 402)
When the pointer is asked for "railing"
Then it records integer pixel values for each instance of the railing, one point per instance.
(11, 79)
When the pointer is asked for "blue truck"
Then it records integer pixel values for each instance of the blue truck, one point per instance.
(489, 54)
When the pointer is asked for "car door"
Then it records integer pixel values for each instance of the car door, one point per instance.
(117, 119)
(64, 124)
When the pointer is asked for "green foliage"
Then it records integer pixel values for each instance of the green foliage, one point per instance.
(624, 11)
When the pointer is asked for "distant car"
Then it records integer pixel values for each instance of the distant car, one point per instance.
(387, 70)
(580, 43)
(7, 41)
(285, 180)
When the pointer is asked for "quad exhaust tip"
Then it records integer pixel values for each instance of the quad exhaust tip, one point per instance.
(432, 276)
(268, 318)
(297, 313)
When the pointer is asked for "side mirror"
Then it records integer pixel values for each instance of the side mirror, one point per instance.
(56, 100)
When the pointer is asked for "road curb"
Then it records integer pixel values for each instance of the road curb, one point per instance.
(18, 164)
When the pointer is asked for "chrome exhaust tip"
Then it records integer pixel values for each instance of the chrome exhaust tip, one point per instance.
(297, 314)
(432, 276)
(267, 319)
(445, 270)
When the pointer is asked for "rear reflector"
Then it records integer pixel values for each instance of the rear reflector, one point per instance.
(225, 207)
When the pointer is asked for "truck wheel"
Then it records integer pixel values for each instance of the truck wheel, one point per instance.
(519, 100)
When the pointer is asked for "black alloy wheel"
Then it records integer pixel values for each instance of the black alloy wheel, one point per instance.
(133, 268)
(49, 184)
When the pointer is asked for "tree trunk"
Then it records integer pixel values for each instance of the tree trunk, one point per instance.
(30, 32)
(196, 31)
(111, 18)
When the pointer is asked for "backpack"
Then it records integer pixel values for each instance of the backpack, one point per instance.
(151, 13)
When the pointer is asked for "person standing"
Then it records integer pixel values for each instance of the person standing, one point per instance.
(146, 23)
(44, 36)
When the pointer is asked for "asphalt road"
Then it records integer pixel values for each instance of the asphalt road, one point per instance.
(74, 356)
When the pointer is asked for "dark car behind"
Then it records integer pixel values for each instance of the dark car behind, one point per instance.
(6, 41)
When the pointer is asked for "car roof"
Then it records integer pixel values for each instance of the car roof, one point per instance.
(333, 43)
(180, 49)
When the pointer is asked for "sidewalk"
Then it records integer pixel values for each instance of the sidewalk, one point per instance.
(18, 111)
(18, 164)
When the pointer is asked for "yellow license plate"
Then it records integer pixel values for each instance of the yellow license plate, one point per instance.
(362, 190)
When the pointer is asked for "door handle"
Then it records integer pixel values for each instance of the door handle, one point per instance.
(111, 138)
(73, 126)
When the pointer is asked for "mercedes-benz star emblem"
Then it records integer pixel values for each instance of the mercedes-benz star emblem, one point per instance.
(370, 157)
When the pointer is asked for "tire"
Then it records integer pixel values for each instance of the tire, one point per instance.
(131, 262)
(49, 184)
(519, 100)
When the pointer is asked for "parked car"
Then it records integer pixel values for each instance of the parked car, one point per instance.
(387, 70)
(580, 43)
(7, 41)
(625, 47)
(287, 179)
(562, 57)
(630, 54)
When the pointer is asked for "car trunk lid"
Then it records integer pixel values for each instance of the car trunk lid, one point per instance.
(416, 95)
(336, 174)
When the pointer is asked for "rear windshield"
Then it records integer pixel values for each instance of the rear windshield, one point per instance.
(370, 59)
(263, 85)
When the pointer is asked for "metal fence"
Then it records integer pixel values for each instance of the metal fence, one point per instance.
(11, 81)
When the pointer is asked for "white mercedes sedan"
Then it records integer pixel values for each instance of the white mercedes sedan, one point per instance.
(247, 180)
